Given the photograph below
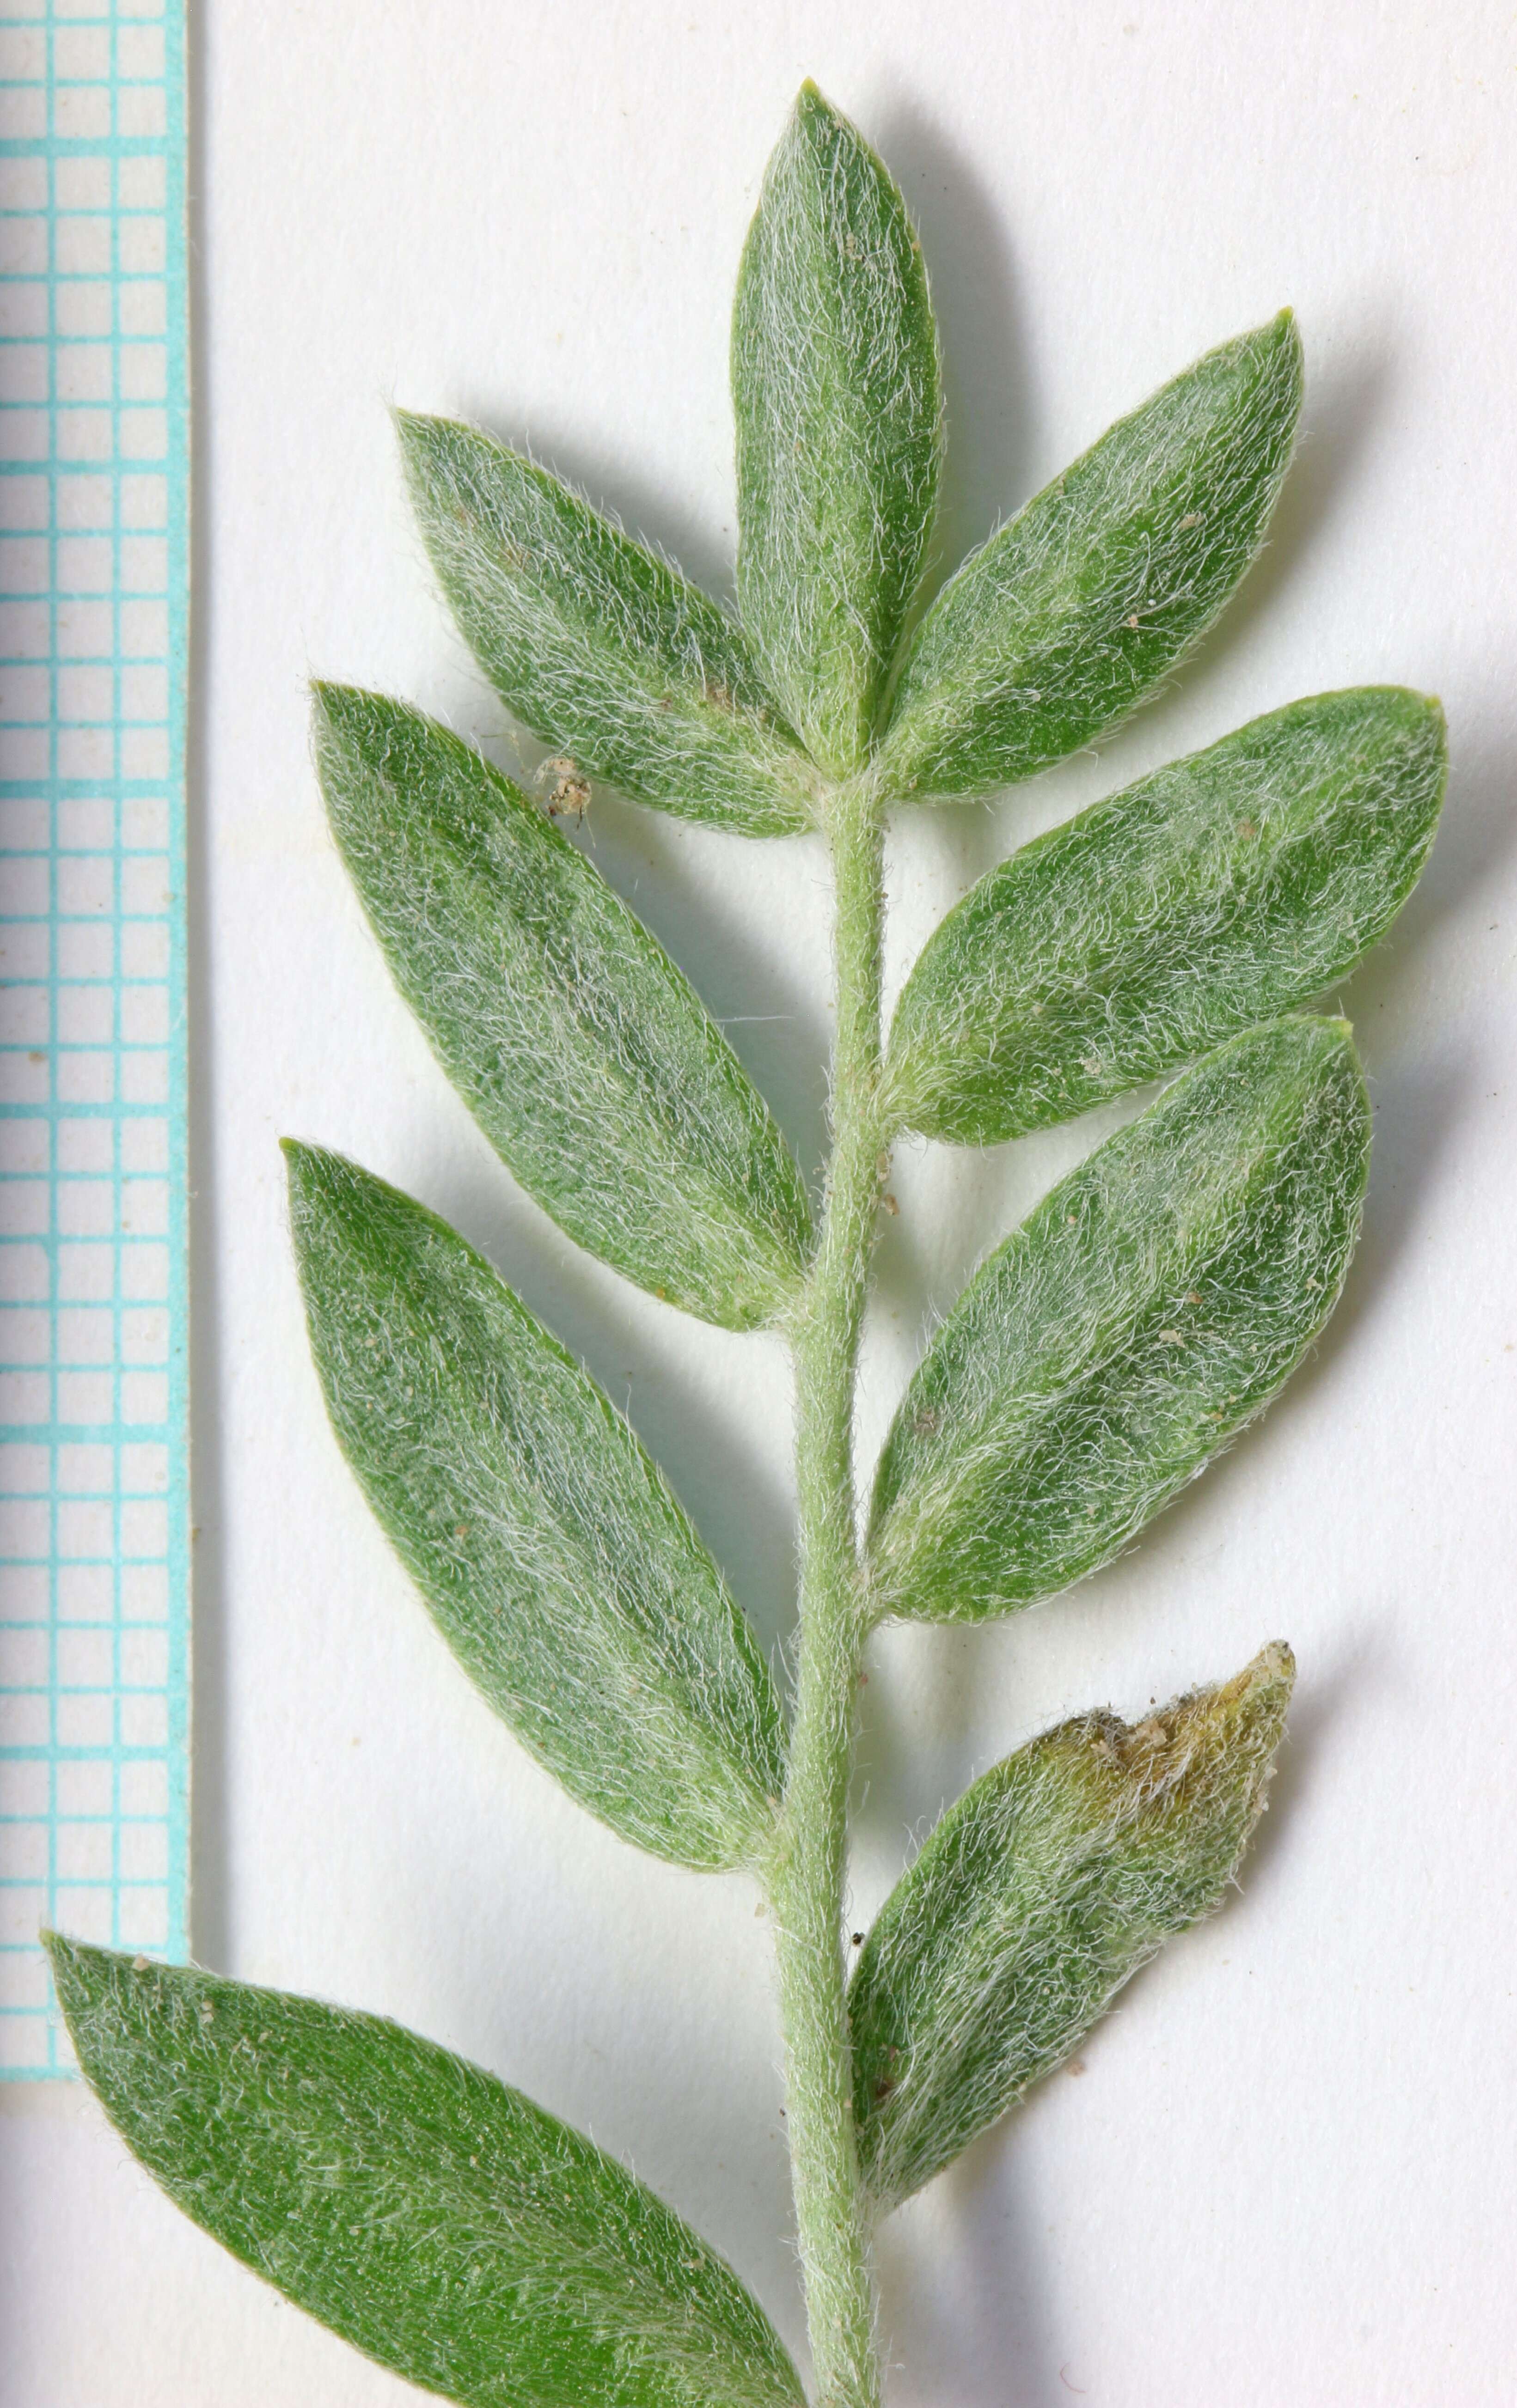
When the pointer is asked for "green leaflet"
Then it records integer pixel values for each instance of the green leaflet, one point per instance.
(585, 1055)
(1214, 895)
(556, 1560)
(597, 645)
(1156, 1299)
(835, 387)
(439, 2221)
(1073, 613)
(1038, 1895)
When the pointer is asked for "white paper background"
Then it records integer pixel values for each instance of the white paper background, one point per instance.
(1287, 2174)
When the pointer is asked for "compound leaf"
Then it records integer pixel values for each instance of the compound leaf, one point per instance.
(1038, 1895)
(835, 386)
(1216, 894)
(434, 2218)
(585, 1055)
(1073, 612)
(597, 646)
(555, 1558)
(1156, 1299)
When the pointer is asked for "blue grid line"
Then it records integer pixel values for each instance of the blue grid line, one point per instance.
(94, 598)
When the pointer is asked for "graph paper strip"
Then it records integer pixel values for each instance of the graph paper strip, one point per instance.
(94, 593)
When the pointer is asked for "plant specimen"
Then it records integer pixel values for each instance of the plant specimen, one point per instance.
(1102, 1355)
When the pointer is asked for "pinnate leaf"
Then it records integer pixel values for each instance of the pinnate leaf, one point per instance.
(1156, 1299)
(585, 1055)
(835, 386)
(1073, 612)
(556, 1560)
(597, 645)
(1038, 1895)
(434, 2218)
(1216, 894)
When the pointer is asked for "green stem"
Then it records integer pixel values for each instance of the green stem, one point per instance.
(831, 2212)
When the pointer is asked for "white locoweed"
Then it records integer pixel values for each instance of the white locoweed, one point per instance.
(1103, 1353)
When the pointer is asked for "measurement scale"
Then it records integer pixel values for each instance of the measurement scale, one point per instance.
(94, 597)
